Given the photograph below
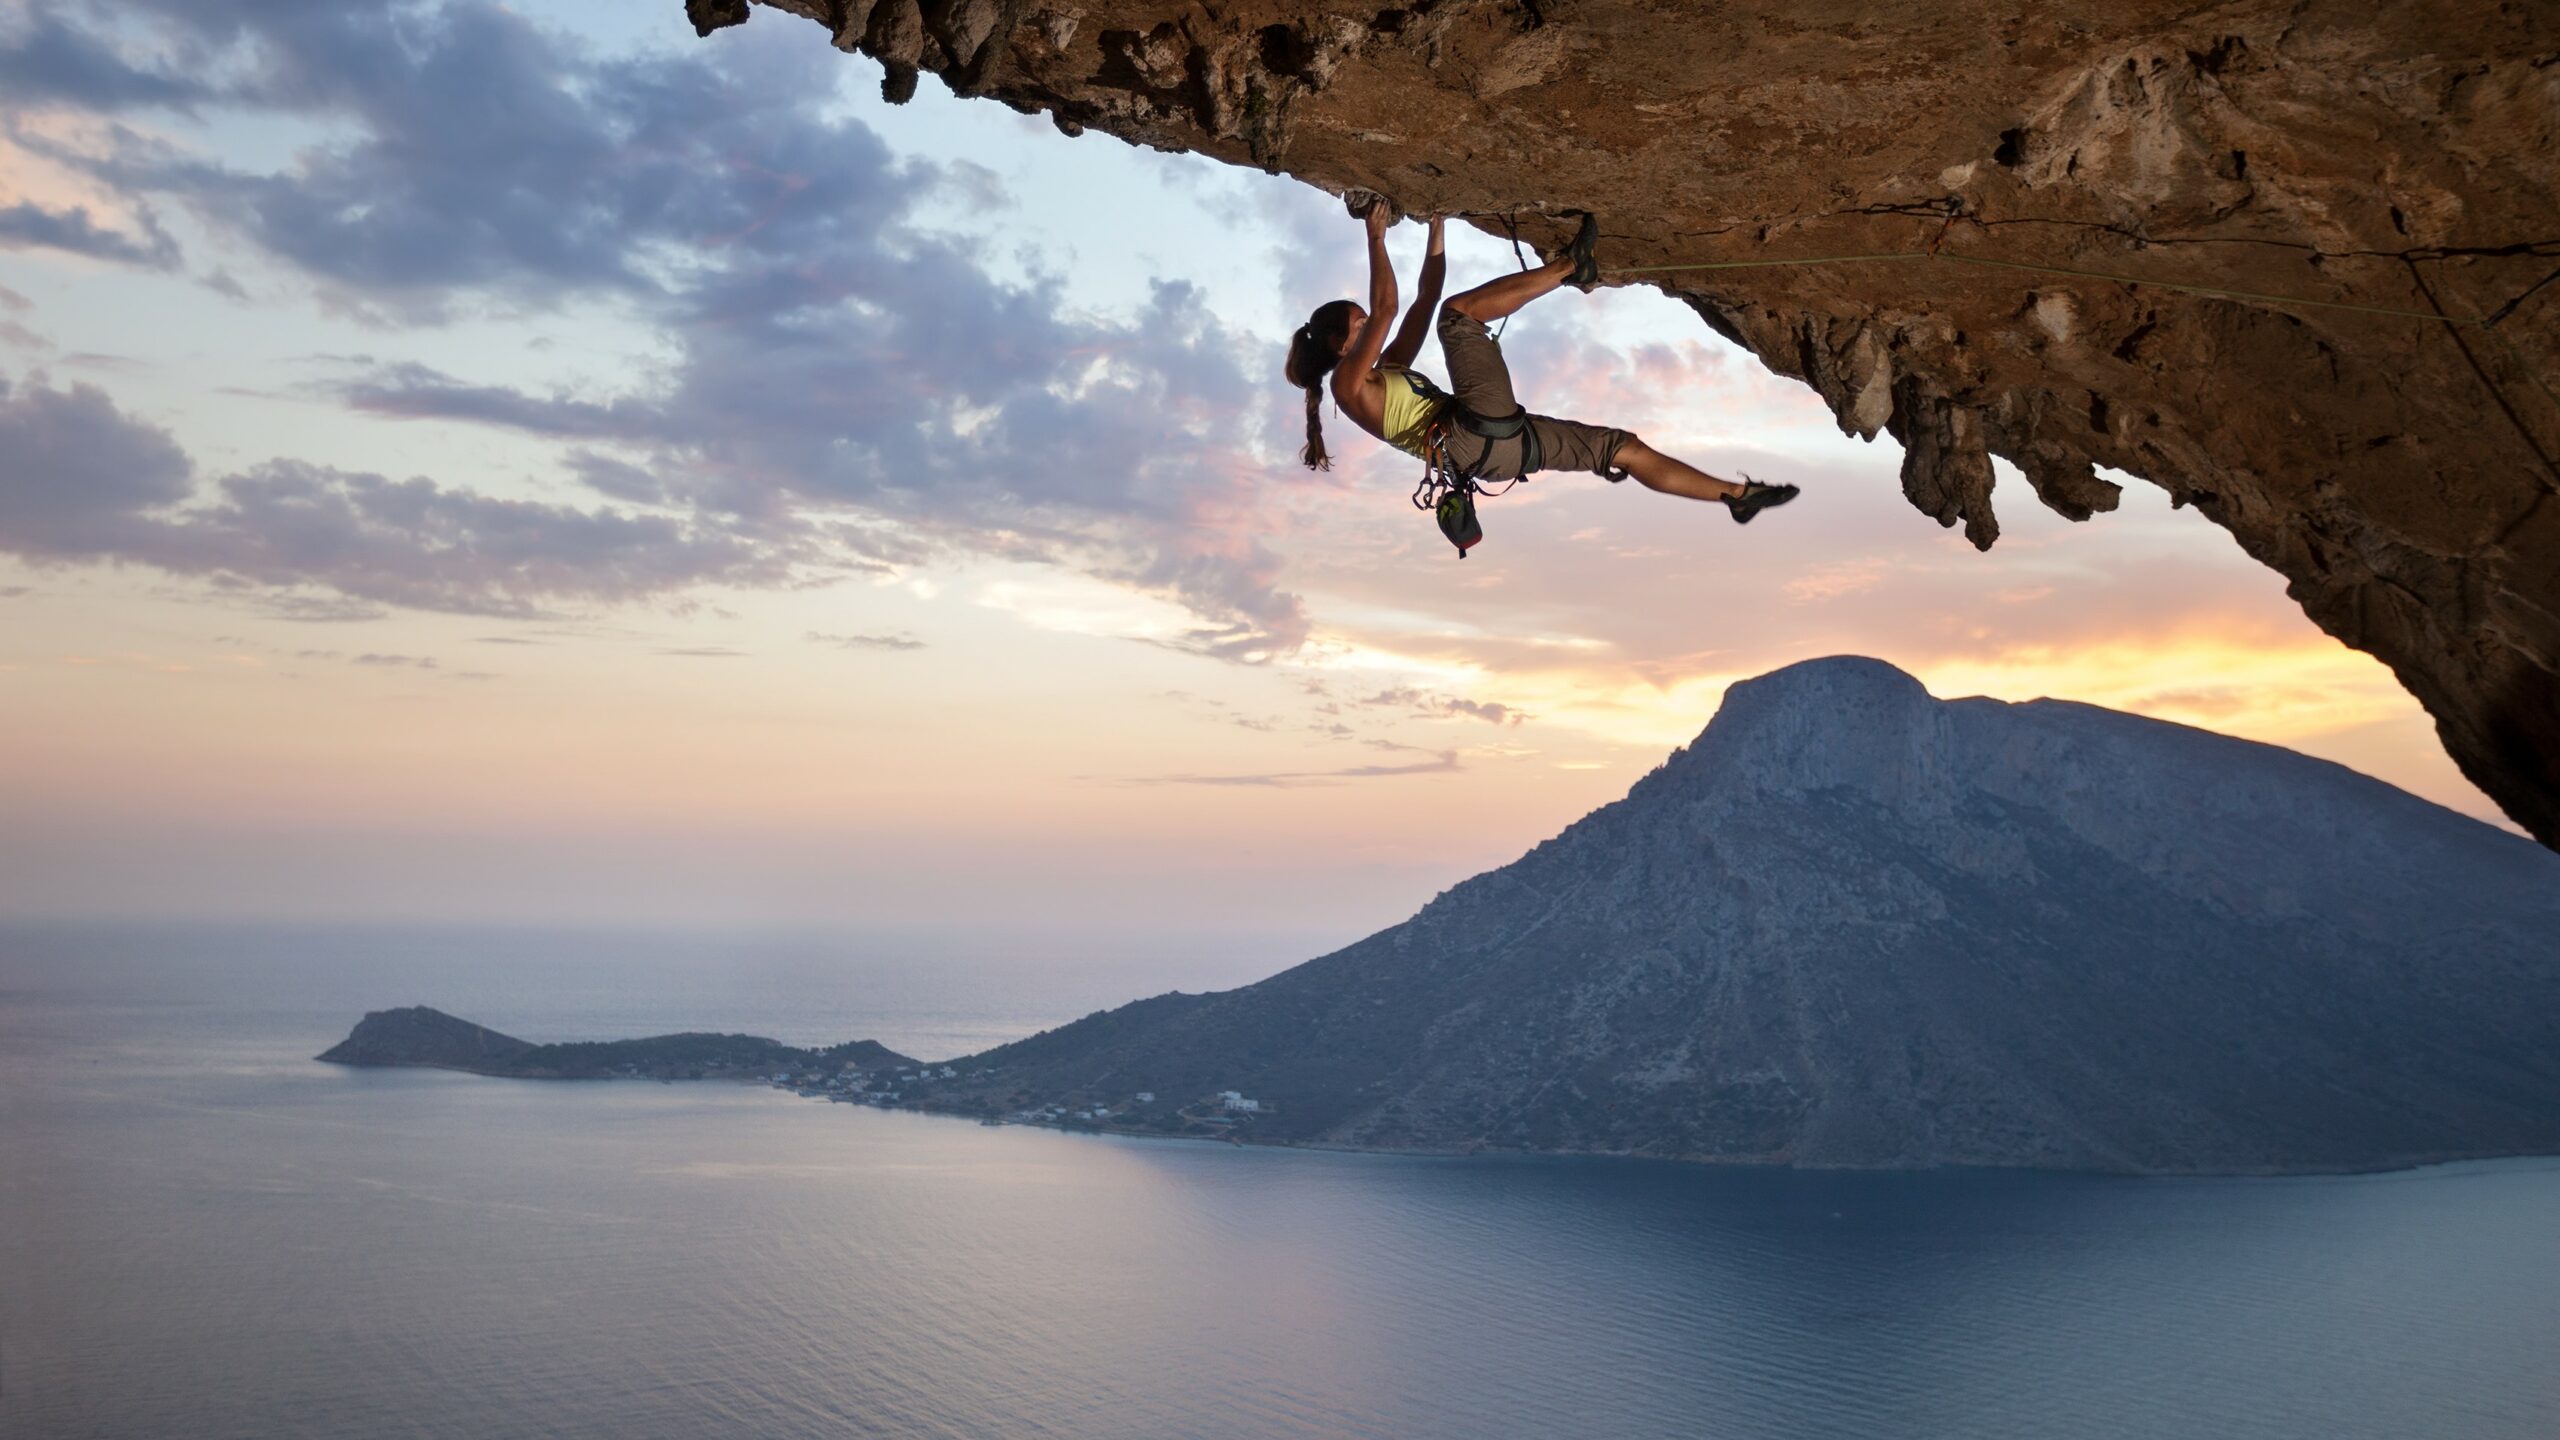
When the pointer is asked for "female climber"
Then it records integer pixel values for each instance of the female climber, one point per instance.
(1479, 430)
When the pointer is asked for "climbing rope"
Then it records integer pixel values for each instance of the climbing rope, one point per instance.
(1511, 225)
(1936, 251)
(1989, 262)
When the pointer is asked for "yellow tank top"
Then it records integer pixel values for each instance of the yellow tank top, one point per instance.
(1410, 410)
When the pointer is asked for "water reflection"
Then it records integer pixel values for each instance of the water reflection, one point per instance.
(204, 1233)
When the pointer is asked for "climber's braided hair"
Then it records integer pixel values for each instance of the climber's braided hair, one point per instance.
(1313, 352)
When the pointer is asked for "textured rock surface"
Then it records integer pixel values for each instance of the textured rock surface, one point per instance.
(2398, 471)
(1853, 925)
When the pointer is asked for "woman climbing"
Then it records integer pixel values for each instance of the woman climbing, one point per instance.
(1479, 431)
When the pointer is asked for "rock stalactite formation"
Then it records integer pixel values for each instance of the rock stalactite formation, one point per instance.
(2295, 261)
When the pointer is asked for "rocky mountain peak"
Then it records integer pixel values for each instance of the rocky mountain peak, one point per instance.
(1855, 925)
(1846, 722)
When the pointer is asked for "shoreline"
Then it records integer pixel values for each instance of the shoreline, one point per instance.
(2396, 1165)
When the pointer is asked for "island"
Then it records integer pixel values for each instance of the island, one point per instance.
(862, 1071)
(1851, 926)
(419, 1036)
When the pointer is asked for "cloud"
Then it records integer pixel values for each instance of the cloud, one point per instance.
(704, 652)
(421, 662)
(28, 225)
(2220, 702)
(1445, 762)
(617, 479)
(45, 60)
(12, 332)
(309, 609)
(482, 152)
(1426, 705)
(1104, 447)
(82, 482)
(1836, 580)
(840, 373)
(866, 642)
(412, 391)
(71, 464)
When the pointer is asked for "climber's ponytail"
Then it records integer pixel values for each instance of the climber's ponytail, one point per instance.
(1314, 453)
(1313, 352)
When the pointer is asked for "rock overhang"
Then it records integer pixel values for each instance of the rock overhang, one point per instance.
(2297, 264)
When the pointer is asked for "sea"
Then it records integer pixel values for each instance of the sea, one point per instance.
(206, 1233)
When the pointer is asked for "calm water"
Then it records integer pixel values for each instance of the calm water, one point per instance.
(202, 1233)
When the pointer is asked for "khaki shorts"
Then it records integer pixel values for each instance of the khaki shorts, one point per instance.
(1482, 383)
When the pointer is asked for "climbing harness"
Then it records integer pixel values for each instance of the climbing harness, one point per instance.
(1446, 489)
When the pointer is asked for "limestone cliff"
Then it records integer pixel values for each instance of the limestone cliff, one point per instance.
(2375, 166)
(1855, 925)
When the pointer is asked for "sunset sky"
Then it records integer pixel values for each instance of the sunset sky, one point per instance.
(524, 463)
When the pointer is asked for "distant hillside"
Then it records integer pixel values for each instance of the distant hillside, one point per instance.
(421, 1036)
(1854, 925)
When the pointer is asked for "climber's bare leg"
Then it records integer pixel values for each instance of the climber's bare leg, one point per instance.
(1496, 298)
(1657, 471)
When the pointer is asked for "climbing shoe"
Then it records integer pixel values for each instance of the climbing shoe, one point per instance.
(1756, 497)
(1584, 252)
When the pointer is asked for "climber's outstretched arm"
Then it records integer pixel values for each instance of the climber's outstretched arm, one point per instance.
(1360, 359)
(1426, 304)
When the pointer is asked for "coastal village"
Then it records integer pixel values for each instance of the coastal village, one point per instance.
(912, 1087)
